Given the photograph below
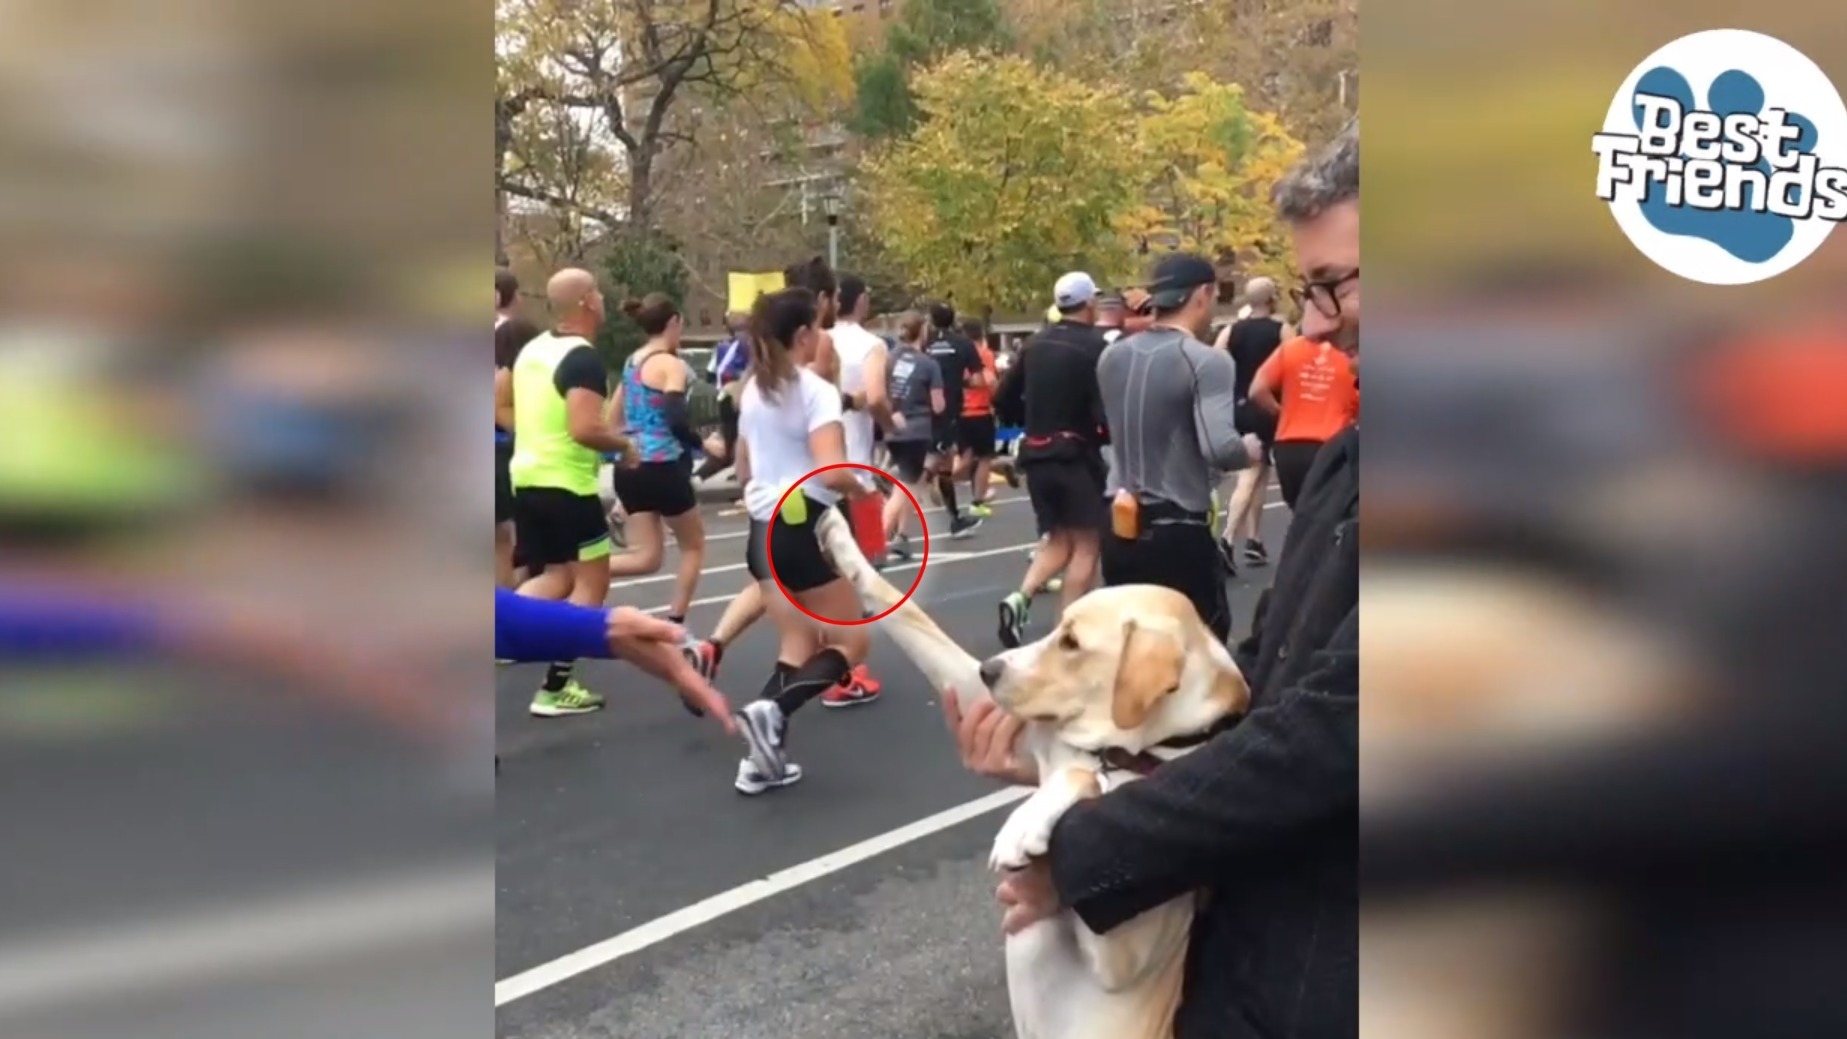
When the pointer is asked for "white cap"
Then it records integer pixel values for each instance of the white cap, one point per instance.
(1074, 290)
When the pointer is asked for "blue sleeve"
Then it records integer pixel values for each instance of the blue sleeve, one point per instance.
(528, 630)
(44, 623)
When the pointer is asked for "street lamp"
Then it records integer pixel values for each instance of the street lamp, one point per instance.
(832, 204)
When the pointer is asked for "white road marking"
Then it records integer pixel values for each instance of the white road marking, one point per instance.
(659, 930)
(41, 972)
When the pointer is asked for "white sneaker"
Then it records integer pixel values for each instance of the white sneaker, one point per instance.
(762, 726)
(751, 781)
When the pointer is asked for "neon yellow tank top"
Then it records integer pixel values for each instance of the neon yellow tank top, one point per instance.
(544, 455)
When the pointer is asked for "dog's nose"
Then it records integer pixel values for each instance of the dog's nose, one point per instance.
(990, 671)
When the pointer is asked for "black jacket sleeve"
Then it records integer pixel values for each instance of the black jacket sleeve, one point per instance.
(1289, 768)
(680, 421)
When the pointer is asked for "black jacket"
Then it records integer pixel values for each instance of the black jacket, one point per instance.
(1051, 392)
(1262, 817)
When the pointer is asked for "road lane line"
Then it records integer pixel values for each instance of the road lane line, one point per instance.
(441, 902)
(608, 951)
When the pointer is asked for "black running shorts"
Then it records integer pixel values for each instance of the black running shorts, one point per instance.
(555, 526)
(1066, 494)
(975, 435)
(800, 564)
(664, 488)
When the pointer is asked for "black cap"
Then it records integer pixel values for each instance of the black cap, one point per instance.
(1177, 275)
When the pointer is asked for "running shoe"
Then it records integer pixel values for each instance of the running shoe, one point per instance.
(1011, 474)
(981, 510)
(752, 781)
(858, 688)
(900, 549)
(1013, 615)
(703, 654)
(572, 699)
(763, 728)
(1255, 554)
(964, 526)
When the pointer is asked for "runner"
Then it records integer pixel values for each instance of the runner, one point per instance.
(744, 610)
(659, 488)
(789, 425)
(506, 301)
(861, 356)
(1055, 388)
(559, 431)
(915, 389)
(1173, 430)
(961, 368)
(510, 337)
(1250, 341)
(726, 372)
(976, 426)
(1310, 386)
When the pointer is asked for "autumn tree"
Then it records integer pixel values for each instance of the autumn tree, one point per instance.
(628, 73)
(1008, 181)
(1208, 162)
(926, 31)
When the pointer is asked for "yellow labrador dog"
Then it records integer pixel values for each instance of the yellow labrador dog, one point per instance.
(1129, 678)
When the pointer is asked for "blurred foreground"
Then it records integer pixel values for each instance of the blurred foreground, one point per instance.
(239, 399)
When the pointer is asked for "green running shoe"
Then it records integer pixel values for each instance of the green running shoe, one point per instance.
(572, 699)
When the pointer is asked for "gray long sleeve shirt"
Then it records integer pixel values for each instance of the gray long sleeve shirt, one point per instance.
(1172, 417)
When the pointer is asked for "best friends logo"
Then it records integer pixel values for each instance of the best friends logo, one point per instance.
(1724, 157)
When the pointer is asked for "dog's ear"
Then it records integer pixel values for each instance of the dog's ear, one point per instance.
(1152, 660)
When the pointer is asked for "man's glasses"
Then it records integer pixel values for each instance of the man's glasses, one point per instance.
(1323, 294)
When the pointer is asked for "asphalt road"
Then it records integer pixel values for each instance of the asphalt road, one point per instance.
(610, 822)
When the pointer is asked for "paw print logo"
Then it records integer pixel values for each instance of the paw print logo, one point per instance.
(1699, 199)
(1750, 234)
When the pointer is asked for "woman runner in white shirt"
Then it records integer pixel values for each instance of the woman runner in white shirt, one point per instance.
(789, 425)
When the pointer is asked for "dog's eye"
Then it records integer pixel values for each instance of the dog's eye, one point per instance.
(1068, 641)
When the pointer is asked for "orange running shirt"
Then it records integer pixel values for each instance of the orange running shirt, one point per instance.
(979, 400)
(1316, 388)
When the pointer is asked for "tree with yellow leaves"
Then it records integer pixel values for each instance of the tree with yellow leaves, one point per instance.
(1207, 163)
(1013, 176)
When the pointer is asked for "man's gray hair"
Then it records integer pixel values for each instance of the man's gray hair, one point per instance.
(1327, 178)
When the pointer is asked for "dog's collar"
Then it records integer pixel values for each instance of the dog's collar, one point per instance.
(1117, 759)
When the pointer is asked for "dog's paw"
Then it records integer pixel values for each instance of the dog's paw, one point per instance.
(1025, 836)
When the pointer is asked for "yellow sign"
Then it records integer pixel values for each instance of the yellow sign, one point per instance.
(746, 288)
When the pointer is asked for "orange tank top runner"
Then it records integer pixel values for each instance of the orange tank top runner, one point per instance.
(978, 401)
(1316, 388)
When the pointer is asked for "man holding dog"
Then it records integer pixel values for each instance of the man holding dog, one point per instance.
(1262, 817)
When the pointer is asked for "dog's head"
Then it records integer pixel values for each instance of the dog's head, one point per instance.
(1127, 667)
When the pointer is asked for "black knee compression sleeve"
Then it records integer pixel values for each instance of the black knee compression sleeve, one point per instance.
(822, 672)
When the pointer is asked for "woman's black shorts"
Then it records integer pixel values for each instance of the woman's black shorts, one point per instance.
(503, 483)
(665, 488)
(800, 564)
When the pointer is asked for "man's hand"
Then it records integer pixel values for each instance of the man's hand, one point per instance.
(653, 645)
(1029, 895)
(987, 738)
